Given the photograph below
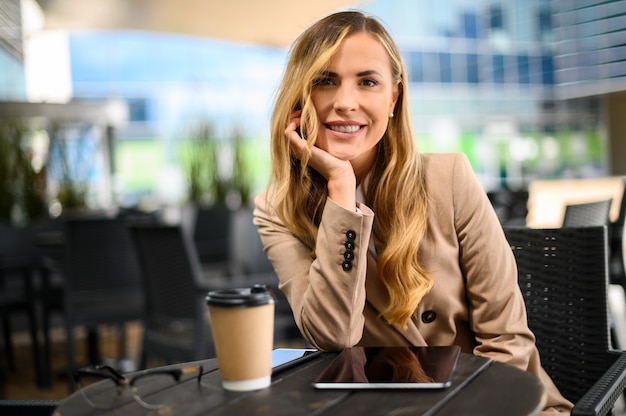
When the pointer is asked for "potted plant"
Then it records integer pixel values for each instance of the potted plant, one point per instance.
(200, 156)
(242, 175)
(206, 216)
(71, 168)
(22, 183)
(7, 194)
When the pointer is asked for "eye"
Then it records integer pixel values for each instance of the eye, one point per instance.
(323, 82)
(368, 82)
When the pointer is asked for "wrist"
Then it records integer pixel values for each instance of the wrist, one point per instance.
(343, 194)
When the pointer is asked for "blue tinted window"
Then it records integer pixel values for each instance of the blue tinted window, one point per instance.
(137, 109)
(470, 25)
(547, 70)
(416, 63)
(496, 19)
(445, 64)
(498, 69)
(472, 68)
(523, 69)
(545, 21)
(534, 70)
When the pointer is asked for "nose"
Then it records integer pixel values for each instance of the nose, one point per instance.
(345, 99)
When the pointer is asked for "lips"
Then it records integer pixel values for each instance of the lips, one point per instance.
(343, 128)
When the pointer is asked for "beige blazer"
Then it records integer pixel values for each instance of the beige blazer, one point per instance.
(475, 301)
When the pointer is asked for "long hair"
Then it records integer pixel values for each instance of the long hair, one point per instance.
(395, 188)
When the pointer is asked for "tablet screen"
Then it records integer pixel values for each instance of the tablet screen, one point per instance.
(284, 358)
(390, 367)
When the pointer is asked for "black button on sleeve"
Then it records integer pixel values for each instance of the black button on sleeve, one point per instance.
(348, 255)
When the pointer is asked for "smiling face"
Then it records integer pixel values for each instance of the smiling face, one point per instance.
(353, 100)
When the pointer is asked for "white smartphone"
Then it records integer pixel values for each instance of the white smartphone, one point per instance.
(283, 358)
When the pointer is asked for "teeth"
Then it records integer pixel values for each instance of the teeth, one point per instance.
(344, 129)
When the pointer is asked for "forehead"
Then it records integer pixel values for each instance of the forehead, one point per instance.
(361, 51)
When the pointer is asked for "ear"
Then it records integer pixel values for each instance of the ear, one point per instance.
(394, 96)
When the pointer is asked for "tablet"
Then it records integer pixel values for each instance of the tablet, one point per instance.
(391, 368)
(284, 358)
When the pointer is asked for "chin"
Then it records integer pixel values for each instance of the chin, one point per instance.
(342, 153)
(343, 156)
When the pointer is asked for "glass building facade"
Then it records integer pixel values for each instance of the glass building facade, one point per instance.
(12, 82)
(590, 47)
(483, 81)
(514, 84)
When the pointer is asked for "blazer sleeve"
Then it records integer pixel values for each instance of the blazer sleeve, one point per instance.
(496, 306)
(327, 292)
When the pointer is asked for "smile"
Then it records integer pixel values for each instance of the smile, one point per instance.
(344, 129)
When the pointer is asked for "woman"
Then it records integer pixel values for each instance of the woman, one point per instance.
(375, 244)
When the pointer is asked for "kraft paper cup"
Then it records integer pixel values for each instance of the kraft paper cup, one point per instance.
(242, 323)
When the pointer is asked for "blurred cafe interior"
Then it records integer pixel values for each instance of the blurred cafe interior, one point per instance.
(115, 115)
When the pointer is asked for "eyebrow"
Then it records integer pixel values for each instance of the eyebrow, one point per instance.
(360, 74)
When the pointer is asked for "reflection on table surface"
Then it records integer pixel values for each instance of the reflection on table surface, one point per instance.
(479, 386)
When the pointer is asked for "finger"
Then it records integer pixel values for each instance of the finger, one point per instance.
(298, 146)
(291, 127)
(295, 140)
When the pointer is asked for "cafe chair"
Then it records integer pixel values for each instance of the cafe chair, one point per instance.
(255, 268)
(510, 206)
(101, 284)
(564, 279)
(211, 235)
(617, 263)
(175, 287)
(20, 263)
(176, 327)
(587, 214)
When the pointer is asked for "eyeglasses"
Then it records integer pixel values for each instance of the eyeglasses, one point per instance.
(143, 387)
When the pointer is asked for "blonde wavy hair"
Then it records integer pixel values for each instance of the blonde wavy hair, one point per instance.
(396, 188)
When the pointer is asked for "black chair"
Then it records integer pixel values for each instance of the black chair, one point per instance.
(511, 207)
(251, 262)
(617, 265)
(176, 328)
(101, 283)
(211, 233)
(564, 280)
(587, 214)
(20, 262)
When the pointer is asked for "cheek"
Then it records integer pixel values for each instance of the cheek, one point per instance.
(320, 101)
(382, 115)
(321, 141)
(386, 109)
(379, 127)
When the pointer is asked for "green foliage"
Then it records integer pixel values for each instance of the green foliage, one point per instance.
(7, 197)
(242, 177)
(200, 161)
(22, 188)
(73, 188)
(207, 180)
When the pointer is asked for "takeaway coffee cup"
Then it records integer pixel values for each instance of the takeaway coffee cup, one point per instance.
(242, 323)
